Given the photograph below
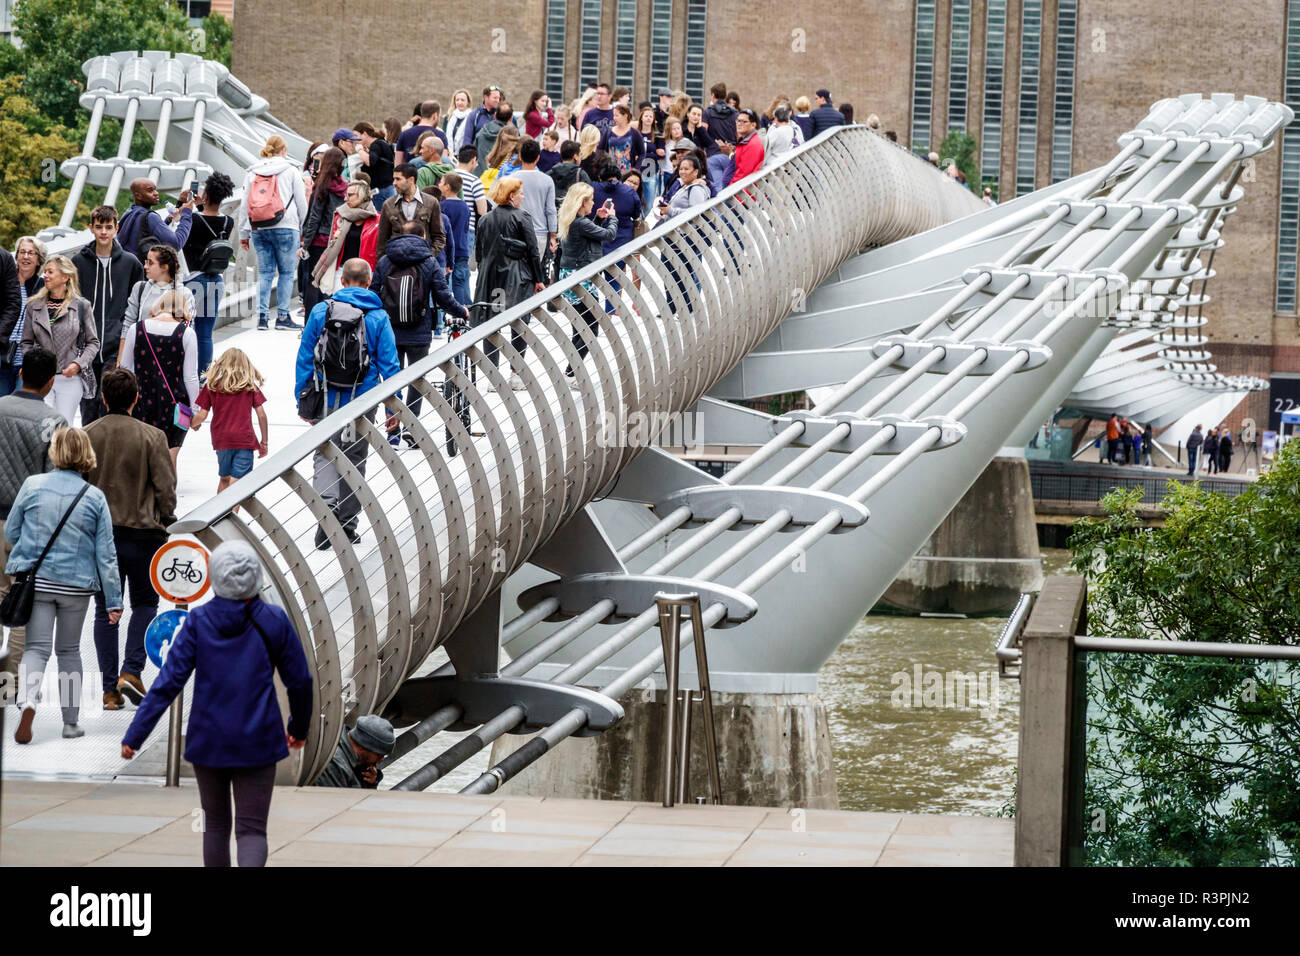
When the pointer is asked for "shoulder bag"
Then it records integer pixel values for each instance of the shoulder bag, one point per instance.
(16, 609)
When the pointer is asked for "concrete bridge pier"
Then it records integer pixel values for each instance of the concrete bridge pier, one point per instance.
(983, 556)
(774, 750)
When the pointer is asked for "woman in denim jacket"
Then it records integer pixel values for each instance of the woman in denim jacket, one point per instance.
(81, 561)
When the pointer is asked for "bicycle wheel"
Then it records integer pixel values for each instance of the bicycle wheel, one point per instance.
(453, 395)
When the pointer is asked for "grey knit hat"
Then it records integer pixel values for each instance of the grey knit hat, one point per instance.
(235, 571)
(374, 734)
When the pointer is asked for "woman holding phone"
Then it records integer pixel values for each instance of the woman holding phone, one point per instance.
(583, 237)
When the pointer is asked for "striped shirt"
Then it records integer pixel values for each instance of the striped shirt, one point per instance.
(58, 587)
(472, 191)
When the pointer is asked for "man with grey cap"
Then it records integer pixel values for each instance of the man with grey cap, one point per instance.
(357, 757)
(234, 645)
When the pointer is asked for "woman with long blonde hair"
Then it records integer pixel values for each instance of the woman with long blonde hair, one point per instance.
(583, 238)
(60, 320)
(681, 103)
(503, 150)
(233, 390)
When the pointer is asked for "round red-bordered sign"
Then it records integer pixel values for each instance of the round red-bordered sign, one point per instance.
(179, 571)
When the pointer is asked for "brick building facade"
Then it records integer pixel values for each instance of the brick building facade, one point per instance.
(1044, 86)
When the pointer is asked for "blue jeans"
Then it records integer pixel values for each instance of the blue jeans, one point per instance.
(208, 291)
(9, 378)
(460, 282)
(384, 194)
(277, 253)
(609, 277)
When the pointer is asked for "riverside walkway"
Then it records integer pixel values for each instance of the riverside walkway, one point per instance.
(47, 823)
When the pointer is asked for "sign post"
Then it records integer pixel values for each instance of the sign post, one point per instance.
(179, 573)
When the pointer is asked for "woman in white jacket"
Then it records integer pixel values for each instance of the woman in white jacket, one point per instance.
(275, 236)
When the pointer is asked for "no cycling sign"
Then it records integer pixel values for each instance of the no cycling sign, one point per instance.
(179, 571)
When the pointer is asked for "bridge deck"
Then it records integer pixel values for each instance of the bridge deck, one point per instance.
(87, 824)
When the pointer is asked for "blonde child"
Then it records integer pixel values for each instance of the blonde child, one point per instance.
(231, 393)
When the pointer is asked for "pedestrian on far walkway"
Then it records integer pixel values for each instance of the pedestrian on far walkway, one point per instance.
(234, 645)
(1194, 442)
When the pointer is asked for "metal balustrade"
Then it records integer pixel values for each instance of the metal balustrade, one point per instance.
(445, 532)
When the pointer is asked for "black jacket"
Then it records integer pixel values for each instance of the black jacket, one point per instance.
(508, 266)
(320, 217)
(10, 297)
(721, 119)
(564, 176)
(406, 251)
(586, 240)
(823, 118)
(107, 290)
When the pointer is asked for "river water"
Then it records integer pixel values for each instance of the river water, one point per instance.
(913, 752)
(900, 747)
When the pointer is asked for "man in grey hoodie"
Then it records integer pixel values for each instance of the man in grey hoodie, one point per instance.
(106, 273)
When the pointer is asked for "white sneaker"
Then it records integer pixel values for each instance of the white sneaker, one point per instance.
(574, 383)
(516, 383)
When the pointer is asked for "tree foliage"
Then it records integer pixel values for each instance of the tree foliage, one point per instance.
(30, 149)
(59, 35)
(1193, 761)
(960, 147)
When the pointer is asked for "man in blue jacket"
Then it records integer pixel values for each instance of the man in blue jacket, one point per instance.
(140, 222)
(353, 300)
(825, 115)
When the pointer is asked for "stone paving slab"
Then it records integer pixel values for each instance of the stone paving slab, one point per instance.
(48, 823)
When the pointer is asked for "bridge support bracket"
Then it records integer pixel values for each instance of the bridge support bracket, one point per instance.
(956, 352)
(757, 503)
(634, 593)
(482, 698)
(862, 430)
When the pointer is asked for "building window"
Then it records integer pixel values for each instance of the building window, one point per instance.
(995, 59)
(625, 44)
(557, 12)
(696, 27)
(589, 52)
(1289, 199)
(1031, 42)
(958, 65)
(922, 73)
(196, 10)
(1067, 22)
(661, 45)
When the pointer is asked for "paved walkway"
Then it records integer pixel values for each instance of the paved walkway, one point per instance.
(121, 824)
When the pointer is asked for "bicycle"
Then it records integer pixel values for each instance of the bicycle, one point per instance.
(185, 569)
(452, 392)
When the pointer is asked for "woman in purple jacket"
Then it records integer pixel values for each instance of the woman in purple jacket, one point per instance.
(236, 734)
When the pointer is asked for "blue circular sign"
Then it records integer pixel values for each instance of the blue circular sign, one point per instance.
(161, 633)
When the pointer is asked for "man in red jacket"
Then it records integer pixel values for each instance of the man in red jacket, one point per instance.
(748, 156)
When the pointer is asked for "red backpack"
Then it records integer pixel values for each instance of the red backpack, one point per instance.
(265, 205)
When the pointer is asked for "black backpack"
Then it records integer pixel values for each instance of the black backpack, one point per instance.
(342, 354)
(216, 255)
(405, 299)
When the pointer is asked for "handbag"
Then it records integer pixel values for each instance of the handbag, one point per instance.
(16, 609)
(182, 414)
(311, 401)
(640, 228)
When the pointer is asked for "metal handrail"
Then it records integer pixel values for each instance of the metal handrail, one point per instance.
(1129, 645)
(1008, 647)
